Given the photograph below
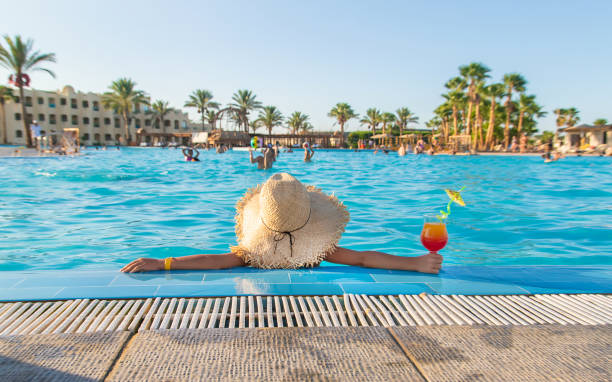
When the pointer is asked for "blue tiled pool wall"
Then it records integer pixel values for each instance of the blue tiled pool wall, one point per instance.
(331, 280)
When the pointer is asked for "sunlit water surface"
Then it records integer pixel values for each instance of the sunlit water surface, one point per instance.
(101, 210)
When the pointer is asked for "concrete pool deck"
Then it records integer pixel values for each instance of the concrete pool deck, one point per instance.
(434, 353)
(324, 280)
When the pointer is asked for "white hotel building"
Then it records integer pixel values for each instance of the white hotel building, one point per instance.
(55, 111)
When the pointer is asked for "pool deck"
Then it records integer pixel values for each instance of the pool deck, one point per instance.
(325, 280)
(469, 323)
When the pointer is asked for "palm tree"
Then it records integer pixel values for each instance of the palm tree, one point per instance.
(211, 117)
(296, 121)
(6, 94)
(201, 99)
(372, 119)
(474, 74)
(244, 101)
(404, 116)
(122, 99)
(513, 82)
(599, 122)
(306, 128)
(571, 117)
(159, 110)
(525, 104)
(444, 112)
(456, 99)
(386, 118)
(343, 112)
(20, 58)
(255, 124)
(270, 116)
(493, 92)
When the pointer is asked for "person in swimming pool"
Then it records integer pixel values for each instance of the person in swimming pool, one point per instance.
(308, 152)
(264, 161)
(189, 156)
(286, 224)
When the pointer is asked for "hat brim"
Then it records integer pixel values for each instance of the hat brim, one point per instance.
(260, 247)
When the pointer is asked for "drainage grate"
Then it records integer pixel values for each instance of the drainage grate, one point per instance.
(84, 315)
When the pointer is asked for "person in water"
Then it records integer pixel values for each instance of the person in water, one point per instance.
(308, 152)
(189, 155)
(286, 224)
(264, 161)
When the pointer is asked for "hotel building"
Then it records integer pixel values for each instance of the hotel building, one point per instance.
(55, 111)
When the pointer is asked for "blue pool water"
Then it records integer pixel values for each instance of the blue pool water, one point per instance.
(98, 211)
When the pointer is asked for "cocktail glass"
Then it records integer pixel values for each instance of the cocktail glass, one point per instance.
(434, 236)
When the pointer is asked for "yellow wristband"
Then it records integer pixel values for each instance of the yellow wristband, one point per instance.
(167, 263)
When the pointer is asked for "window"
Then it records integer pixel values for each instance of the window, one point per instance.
(51, 101)
(16, 99)
(17, 116)
(117, 125)
(28, 101)
(176, 125)
(184, 123)
(52, 119)
(96, 106)
(147, 122)
(107, 137)
(107, 121)
(86, 137)
(63, 101)
(148, 139)
(85, 104)
(41, 117)
(73, 103)
(97, 138)
(64, 118)
(85, 121)
(41, 101)
(43, 132)
(18, 133)
(96, 122)
(167, 123)
(29, 118)
(136, 108)
(156, 124)
(137, 123)
(75, 120)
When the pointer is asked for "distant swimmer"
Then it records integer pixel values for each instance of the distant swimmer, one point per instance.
(221, 149)
(264, 161)
(402, 150)
(308, 152)
(189, 155)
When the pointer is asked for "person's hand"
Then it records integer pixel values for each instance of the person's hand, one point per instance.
(429, 263)
(144, 265)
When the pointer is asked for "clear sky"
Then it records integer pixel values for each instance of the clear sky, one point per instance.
(309, 55)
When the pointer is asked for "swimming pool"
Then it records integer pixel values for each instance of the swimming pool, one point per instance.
(100, 210)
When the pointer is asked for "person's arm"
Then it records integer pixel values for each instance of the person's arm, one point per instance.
(251, 156)
(197, 153)
(185, 152)
(430, 263)
(226, 260)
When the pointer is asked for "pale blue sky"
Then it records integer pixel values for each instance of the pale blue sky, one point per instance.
(309, 55)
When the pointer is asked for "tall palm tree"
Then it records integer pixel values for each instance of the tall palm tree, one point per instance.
(404, 116)
(20, 58)
(492, 92)
(599, 122)
(456, 99)
(571, 117)
(372, 119)
(386, 118)
(513, 82)
(445, 113)
(270, 116)
(159, 110)
(202, 100)
(244, 101)
(255, 124)
(6, 94)
(473, 74)
(343, 112)
(296, 121)
(123, 99)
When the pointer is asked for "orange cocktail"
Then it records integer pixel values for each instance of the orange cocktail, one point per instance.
(434, 236)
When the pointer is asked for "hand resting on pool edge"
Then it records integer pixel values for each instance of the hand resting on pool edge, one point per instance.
(285, 224)
(429, 263)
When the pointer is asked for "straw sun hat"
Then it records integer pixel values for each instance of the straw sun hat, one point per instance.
(284, 224)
